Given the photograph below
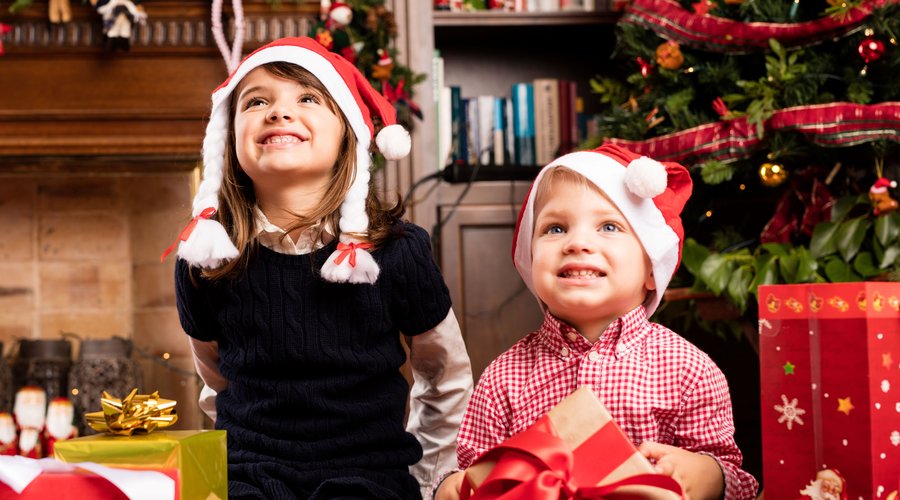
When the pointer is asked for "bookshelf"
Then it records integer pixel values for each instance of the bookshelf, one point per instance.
(472, 223)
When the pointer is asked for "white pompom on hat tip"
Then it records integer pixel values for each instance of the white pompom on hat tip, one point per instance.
(393, 141)
(646, 178)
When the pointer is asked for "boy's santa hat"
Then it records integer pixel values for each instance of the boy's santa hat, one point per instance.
(207, 244)
(881, 185)
(649, 194)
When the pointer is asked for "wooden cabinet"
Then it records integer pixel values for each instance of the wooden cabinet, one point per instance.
(485, 53)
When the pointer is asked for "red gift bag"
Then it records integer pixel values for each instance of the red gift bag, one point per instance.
(830, 378)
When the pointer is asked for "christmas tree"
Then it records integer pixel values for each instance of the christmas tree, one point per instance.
(787, 115)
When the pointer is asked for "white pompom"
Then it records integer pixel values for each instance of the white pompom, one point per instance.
(365, 271)
(208, 245)
(393, 141)
(646, 177)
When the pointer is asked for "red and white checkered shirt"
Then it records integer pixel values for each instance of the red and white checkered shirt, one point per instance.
(657, 386)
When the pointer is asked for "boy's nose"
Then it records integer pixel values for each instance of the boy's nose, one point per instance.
(579, 243)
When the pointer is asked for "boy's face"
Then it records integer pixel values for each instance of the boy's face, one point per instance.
(284, 131)
(588, 265)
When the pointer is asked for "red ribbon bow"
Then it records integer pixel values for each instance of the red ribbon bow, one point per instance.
(207, 213)
(398, 95)
(537, 465)
(350, 249)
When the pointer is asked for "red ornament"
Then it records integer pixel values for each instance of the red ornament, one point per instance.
(4, 29)
(870, 49)
(646, 68)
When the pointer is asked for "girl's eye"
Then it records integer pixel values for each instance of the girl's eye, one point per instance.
(309, 98)
(254, 101)
(609, 227)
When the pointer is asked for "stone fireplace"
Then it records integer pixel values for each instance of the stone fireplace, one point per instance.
(98, 155)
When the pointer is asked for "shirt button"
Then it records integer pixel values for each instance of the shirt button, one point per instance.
(572, 336)
(594, 356)
(564, 352)
(620, 349)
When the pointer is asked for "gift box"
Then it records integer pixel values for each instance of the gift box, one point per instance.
(199, 456)
(30, 479)
(577, 449)
(830, 378)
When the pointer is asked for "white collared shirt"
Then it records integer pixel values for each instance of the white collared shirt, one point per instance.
(442, 375)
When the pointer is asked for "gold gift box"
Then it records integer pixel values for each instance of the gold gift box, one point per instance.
(199, 456)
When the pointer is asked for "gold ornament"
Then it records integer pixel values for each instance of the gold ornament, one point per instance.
(669, 56)
(772, 174)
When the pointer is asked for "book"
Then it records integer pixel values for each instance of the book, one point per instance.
(473, 136)
(486, 129)
(523, 123)
(499, 156)
(546, 120)
(458, 126)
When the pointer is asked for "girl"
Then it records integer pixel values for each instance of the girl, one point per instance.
(295, 285)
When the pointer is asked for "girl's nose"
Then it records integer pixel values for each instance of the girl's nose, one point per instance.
(279, 113)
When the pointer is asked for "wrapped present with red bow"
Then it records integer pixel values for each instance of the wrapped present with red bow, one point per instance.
(574, 451)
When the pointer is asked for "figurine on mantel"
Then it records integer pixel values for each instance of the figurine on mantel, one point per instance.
(7, 435)
(119, 17)
(59, 11)
(30, 411)
(59, 426)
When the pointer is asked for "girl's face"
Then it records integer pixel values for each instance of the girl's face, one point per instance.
(588, 265)
(284, 131)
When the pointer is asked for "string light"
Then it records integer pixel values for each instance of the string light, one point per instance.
(166, 356)
(708, 214)
(742, 187)
(74, 391)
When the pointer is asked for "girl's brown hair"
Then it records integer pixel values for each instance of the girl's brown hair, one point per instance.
(237, 198)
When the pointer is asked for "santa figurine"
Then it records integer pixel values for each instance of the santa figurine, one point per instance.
(59, 427)
(119, 18)
(7, 435)
(882, 202)
(30, 411)
(828, 485)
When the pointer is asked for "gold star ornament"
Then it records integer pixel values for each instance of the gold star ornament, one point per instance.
(844, 405)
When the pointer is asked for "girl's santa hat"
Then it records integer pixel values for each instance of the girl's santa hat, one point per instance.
(649, 194)
(207, 244)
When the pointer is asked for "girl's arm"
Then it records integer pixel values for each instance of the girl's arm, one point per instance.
(442, 384)
(206, 361)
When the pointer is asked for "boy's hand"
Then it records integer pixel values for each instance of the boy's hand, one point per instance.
(449, 488)
(699, 475)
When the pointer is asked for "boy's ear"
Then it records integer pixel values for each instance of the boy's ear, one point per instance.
(650, 281)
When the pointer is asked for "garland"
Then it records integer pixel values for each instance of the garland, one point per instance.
(671, 21)
(832, 125)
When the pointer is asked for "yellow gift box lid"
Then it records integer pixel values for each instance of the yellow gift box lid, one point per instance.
(200, 456)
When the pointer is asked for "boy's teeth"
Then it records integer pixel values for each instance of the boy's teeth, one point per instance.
(584, 273)
(278, 139)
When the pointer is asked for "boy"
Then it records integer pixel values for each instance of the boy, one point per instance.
(599, 237)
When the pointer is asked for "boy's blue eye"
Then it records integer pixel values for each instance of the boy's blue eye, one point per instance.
(555, 229)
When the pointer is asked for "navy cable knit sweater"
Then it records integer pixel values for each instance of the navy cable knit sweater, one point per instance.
(315, 400)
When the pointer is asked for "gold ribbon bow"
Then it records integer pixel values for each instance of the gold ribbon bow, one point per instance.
(134, 413)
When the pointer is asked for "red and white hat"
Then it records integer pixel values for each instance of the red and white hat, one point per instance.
(649, 194)
(881, 185)
(208, 244)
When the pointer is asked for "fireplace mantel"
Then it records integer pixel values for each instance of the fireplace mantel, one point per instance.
(67, 104)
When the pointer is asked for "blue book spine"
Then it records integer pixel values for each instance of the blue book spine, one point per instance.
(523, 123)
(458, 125)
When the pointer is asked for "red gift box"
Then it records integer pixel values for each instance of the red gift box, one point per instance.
(575, 451)
(830, 377)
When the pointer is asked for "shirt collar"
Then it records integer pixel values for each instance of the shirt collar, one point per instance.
(270, 236)
(619, 337)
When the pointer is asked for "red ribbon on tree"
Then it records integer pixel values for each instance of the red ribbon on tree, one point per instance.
(537, 464)
(398, 95)
(349, 249)
(207, 213)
